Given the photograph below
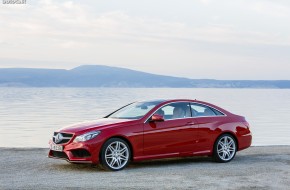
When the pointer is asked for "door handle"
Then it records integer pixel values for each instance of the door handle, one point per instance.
(191, 123)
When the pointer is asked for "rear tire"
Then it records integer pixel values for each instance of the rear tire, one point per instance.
(225, 148)
(115, 154)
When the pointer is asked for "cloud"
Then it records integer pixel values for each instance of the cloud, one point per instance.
(205, 2)
(73, 31)
(64, 20)
(271, 8)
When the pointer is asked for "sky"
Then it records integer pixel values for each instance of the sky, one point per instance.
(198, 39)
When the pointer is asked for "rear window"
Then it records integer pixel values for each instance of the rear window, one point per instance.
(199, 110)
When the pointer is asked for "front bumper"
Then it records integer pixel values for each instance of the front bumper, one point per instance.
(80, 152)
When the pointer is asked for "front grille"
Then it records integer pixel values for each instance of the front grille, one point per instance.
(58, 154)
(61, 138)
(80, 153)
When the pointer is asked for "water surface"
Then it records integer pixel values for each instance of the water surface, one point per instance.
(28, 116)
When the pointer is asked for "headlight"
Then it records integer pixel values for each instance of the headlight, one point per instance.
(87, 136)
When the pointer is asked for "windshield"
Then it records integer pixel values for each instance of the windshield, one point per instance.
(134, 111)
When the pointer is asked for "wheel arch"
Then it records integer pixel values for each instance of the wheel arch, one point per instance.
(123, 138)
(230, 133)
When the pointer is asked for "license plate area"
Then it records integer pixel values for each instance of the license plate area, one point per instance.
(56, 147)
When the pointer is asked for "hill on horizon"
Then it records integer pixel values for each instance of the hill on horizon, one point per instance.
(107, 76)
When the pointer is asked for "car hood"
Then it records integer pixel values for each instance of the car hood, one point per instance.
(95, 124)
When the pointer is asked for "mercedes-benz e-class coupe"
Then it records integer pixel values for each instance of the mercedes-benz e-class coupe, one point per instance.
(153, 130)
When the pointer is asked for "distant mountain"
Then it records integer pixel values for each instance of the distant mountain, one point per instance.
(105, 76)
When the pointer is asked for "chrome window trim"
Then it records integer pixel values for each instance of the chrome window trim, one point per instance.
(211, 108)
(177, 118)
(224, 115)
(164, 106)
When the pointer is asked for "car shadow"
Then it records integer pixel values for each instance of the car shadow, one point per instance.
(168, 162)
(73, 167)
(133, 165)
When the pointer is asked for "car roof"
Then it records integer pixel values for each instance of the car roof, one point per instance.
(166, 101)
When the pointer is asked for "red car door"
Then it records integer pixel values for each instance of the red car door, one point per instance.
(175, 135)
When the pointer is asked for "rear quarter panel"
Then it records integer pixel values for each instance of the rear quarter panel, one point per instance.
(210, 128)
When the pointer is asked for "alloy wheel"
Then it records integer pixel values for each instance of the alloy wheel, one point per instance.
(117, 155)
(225, 148)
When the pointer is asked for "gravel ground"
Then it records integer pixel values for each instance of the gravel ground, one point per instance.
(254, 168)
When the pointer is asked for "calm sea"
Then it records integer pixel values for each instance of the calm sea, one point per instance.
(28, 116)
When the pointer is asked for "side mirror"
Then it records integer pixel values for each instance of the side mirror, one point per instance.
(157, 117)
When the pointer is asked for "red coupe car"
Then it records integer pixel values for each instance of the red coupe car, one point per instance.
(152, 130)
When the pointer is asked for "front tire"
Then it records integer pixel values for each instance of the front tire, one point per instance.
(225, 148)
(115, 154)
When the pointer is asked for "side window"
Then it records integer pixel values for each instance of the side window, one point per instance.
(199, 110)
(175, 110)
(217, 112)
